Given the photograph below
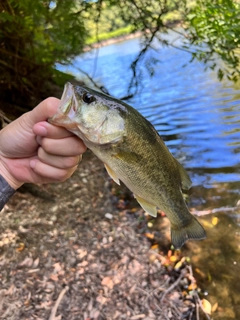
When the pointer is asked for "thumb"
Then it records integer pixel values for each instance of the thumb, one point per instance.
(47, 108)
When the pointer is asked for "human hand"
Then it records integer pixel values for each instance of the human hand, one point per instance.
(33, 150)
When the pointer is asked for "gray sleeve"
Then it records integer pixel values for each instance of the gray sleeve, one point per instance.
(6, 191)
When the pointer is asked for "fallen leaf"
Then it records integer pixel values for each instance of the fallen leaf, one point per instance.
(201, 273)
(173, 258)
(27, 262)
(215, 221)
(214, 307)
(149, 235)
(192, 286)
(207, 224)
(35, 263)
(138, 316)
(107, 282)
(83, 264)
(21, 247)
(100, 299)
(152, 258)
(10, 290)
(57, 267)
(178, 265)
(33, 270)
(154, 247)
(81, 253)
(207, 307)
(169, 254)
(54, 277)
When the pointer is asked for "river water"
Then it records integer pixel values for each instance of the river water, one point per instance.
(199, 119)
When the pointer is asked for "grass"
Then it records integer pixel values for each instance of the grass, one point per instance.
(111, 34)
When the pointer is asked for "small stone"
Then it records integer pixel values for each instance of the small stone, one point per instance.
(54, 208)
(108, 215)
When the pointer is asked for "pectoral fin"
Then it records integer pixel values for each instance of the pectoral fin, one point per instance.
(148, 207)
(112, 174)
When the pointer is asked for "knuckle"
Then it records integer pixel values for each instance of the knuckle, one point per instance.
(64, 175)
(40, 153)
(70, 162)
(46, 145)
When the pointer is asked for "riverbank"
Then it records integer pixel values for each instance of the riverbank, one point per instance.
(76, 252)
(126, 34)
(113, 40)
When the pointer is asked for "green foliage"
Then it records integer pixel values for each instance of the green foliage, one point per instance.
(214, 29)
(103, 18)
(34, 35)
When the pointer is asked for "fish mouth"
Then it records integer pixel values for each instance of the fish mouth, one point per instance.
(61, 120)
(67, 109)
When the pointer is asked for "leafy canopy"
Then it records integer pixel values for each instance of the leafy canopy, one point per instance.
(35, 35)
(213, 27)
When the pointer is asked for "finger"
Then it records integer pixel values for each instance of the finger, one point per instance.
(49, 173)
(70, 146)
(58, 161)
(45, 129)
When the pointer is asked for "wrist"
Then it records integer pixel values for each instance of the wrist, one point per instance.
(4, 172)
(6, 192)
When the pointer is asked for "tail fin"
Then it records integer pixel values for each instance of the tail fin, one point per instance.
(193, 230)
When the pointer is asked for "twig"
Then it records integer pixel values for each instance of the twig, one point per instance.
(4, 118)
(199, 302)
(173, 285)
(176, 310)
(54, 309)
(92, 80)
(197, 311)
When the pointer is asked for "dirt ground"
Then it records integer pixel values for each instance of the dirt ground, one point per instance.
(74, 251)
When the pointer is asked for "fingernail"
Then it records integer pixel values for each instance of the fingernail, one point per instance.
(33, 163)
(42, 131)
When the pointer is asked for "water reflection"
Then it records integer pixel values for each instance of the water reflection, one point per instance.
(216, 264)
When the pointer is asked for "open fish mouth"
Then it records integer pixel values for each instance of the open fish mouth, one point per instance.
(67, 109)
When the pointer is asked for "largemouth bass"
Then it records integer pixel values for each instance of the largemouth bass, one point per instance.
(133, 152)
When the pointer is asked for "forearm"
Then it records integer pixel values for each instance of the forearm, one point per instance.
(8, 185)
(6, 192)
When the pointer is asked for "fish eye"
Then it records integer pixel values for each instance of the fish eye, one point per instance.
(88, 98)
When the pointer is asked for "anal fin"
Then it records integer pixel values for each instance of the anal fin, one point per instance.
(112, 174)
(148, 207)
